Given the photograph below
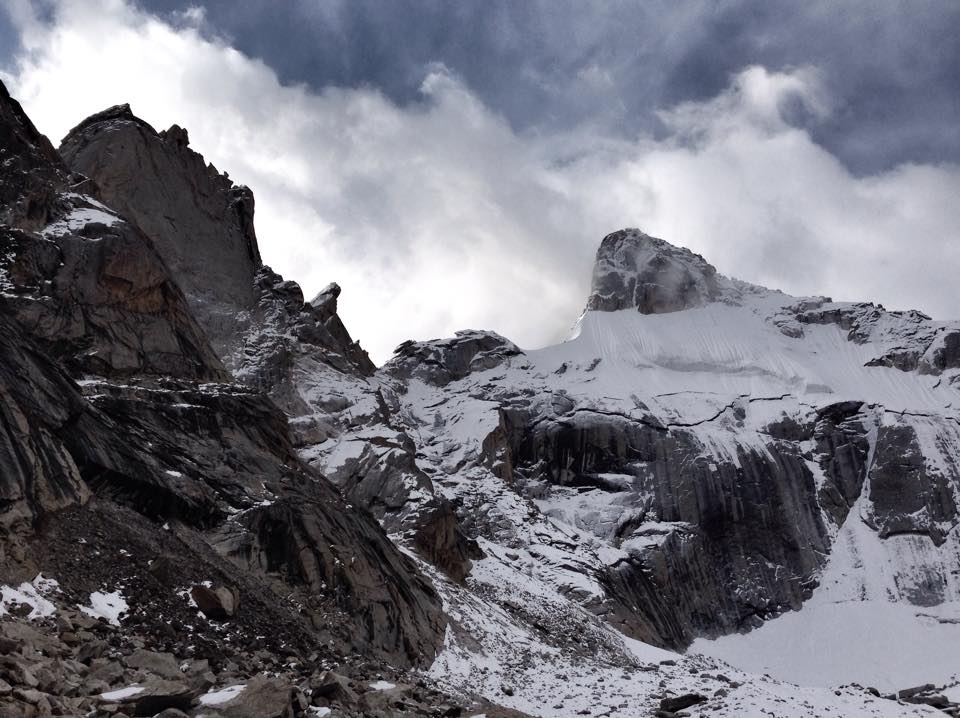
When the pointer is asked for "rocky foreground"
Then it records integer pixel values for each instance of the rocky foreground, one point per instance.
(213, 503)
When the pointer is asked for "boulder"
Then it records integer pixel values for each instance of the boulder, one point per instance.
(217, 604)
(678, 703)
(441, 361)
(331, 686)
(157, 695)
(261, 698)
(162, 665)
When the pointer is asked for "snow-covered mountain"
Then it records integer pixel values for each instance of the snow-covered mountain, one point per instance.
(713, 499)
(701, 457)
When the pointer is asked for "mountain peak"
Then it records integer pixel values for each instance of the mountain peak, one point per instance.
(635, 270)
(115, 114)
(199, 221)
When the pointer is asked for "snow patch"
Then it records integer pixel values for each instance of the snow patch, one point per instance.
(31, 594)
(110, 606)
(77, 220)
(120, 694)
(224, 695)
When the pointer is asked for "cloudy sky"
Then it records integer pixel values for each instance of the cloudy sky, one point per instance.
(455, 164)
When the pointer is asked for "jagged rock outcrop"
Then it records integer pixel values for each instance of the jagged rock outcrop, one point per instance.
(202, 226)
(636, 271)
(84, 283)
(30, 168)
(267, 335)
(444, 360)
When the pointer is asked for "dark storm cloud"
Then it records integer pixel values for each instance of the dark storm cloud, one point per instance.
(9, 37)
(891, 66)
(476, 158)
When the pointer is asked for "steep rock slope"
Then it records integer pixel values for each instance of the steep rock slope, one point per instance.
(300, 353)
(86, 284)
(152, 423)
(142, 180)
(37, 473)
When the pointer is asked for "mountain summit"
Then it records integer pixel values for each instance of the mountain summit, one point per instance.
(635, 270)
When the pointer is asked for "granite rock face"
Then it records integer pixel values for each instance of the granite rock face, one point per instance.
(200, 223)
(86, 284)
(100, 299)
(267, 335)
(444, 360)
(723, 540)
(636, 271)
(38, 475)
(29, 167)
(908, 493)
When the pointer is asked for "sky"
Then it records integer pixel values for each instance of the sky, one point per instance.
(454, 165)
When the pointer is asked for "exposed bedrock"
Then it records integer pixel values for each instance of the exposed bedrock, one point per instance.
(260, 325)
(723, 539)
(384, 477)
(101, 300)
(441, 361)
(37, 473)
(201, 223)
(907, 494)
(30, 168)
(842, 444)
(636, 271)
(219, 460)
(717, 539)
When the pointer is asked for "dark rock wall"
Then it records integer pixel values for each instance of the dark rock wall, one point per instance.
(202, 225)
(906, 494)
(200, 222)
(37, 473)
(101, 300)
(740, 537)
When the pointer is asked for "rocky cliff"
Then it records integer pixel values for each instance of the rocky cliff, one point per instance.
(114, 402)
(298, 352)
(201, 223)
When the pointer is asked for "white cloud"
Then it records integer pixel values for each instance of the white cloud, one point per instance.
(438, 216)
